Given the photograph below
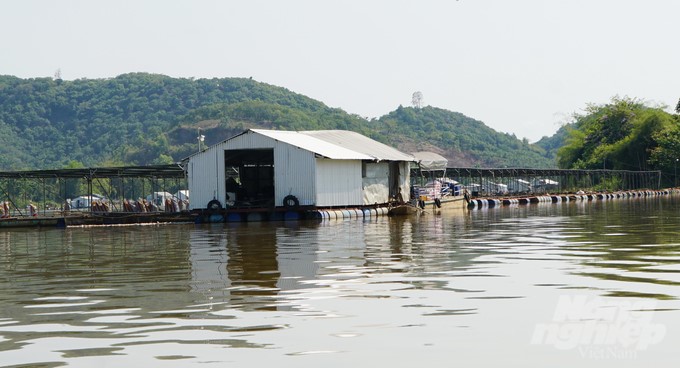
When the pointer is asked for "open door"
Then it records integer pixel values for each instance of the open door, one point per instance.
(394, 178)
(249, 175)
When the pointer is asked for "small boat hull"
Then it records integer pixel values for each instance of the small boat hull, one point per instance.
(404, 210)
(423, 206)
(448, 202)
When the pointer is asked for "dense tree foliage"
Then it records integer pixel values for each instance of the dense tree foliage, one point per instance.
(141, 118)
(46, 123)
(624, 134)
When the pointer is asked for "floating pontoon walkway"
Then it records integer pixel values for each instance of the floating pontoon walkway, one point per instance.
(562, 198)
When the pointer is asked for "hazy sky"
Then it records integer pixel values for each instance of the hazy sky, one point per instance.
(520, 66)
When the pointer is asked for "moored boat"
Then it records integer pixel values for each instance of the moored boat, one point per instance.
(444, 202)
(432, 189)
(404, 209)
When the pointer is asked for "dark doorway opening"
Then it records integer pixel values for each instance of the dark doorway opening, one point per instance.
(249, 175)
(394, 178)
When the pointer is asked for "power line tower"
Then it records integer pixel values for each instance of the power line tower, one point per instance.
(417, 99)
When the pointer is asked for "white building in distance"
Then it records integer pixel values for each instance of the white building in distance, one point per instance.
(274, 168)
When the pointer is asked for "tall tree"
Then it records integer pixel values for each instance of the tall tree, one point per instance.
(620, 135)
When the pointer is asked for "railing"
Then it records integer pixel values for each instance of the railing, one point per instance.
(486, 181)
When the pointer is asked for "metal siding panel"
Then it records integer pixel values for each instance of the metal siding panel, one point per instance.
(250, 140)
(338, 183)
(221, 180)
(294, 170)
(206, 178)
(203, 179)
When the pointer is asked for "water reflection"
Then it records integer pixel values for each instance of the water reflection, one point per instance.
(633, 241)
(439, 285)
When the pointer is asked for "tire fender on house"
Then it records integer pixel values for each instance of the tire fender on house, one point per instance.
(291, 201)
(214, 205)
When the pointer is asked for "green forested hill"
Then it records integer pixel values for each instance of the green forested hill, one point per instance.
(143, 118)
(465, 141)
(553, 143)
(46, 123)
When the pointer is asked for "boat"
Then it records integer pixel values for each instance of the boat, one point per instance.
(431, 189)
(404, 209)
(444, 203)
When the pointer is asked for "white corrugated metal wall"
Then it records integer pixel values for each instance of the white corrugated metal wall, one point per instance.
(338, 183)
(294, 174)
(294, 170)
(206, 178)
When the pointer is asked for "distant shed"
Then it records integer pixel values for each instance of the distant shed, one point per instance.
(325, 168)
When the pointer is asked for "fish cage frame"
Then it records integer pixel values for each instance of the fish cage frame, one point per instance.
(156, 175)
(568, 179)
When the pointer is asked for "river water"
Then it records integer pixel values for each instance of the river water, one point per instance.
(547, 285)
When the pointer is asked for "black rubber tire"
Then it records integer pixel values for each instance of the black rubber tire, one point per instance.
(438, 203)
(214, 205)
(421, 204)
(291, 201)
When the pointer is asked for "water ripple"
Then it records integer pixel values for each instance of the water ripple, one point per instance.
(432, 288)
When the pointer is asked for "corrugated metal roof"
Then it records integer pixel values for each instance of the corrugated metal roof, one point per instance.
(312, 144)
(333, 144)
(337, 144)
(359, 143)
